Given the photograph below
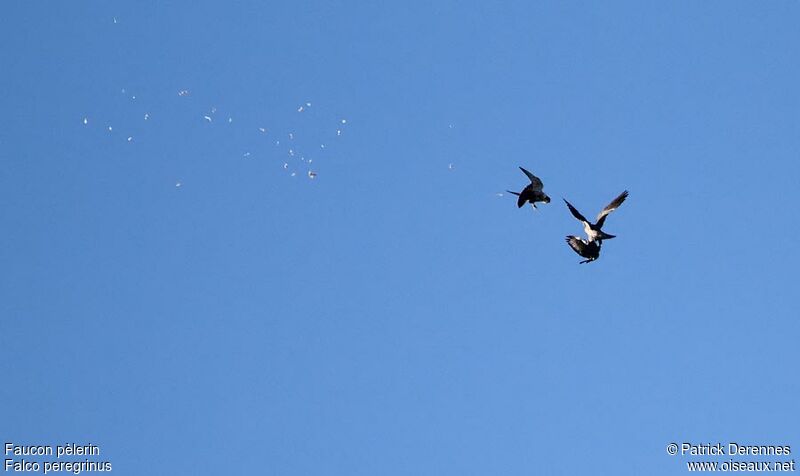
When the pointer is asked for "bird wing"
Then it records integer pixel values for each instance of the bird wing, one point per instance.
(522, 197)
(535, 181)
(575, 212)
(576, 244)
(601, 217)
(525, 196)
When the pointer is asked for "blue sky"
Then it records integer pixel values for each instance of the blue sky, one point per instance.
(394, 315)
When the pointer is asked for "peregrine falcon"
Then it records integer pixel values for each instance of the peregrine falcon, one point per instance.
(532, 192)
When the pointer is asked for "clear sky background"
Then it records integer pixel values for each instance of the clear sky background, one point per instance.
(395, 315)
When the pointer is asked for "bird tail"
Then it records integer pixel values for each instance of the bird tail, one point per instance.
(512, 193)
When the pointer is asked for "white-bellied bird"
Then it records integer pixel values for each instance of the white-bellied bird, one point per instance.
(594, 230)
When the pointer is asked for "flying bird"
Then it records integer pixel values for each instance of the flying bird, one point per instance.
(532, 192)
(586, 249)
(594, 230)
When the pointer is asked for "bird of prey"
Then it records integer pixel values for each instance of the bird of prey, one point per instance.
(586, 249)
(532, 192)
(594, 230)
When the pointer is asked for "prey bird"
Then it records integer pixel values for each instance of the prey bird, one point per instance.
(532, 192)
(586, 249)
(594, 230)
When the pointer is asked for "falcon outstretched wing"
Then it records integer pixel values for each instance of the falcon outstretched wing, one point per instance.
(536, 183)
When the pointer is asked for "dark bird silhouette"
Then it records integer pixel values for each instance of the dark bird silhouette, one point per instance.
(586, 249)
(532, 192)
(594, 230)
